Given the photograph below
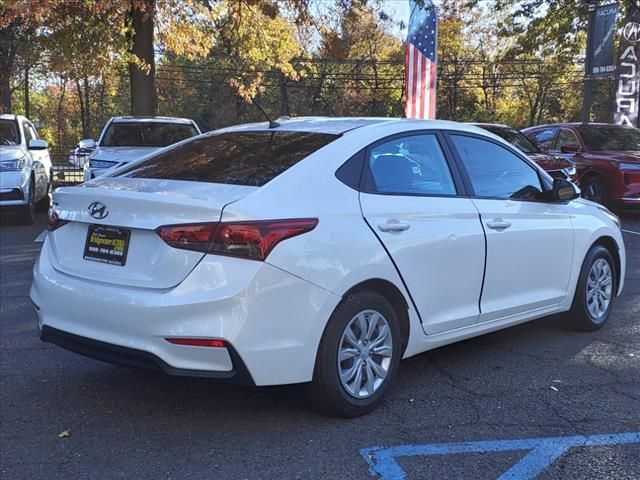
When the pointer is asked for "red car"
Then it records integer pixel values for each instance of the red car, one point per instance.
(554, 166)
(607, 158)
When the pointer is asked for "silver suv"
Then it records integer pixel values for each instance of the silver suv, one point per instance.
(25, 167)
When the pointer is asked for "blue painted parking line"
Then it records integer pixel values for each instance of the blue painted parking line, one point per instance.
(543, 452)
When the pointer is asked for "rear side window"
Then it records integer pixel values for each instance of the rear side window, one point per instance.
(411, 165)
(239, 158)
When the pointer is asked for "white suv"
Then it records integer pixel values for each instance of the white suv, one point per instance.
(124, 139)
(25, 167)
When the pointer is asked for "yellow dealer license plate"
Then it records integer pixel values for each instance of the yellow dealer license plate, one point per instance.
(107, 244)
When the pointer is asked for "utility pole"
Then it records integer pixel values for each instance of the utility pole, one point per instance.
(588, 64)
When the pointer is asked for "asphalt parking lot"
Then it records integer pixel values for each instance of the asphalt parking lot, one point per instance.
(536, 400)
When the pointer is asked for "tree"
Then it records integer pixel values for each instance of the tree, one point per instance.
(144, 100)
(18, 23)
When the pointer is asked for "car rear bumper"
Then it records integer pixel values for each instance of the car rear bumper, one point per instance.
(271, 320)
(130, 357)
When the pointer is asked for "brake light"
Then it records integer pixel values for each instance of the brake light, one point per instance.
(252, 240)
(53, 220)
(197, 342)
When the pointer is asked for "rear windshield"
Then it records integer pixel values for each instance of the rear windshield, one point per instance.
(610, 138)
(239, 158)
(146, 134)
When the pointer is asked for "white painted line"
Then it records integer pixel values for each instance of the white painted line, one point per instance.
(40, 238)
(630, 231)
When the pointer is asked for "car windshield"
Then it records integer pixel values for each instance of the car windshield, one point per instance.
(9, 133)
(514, 137)
(146, 134)
(240, 158)
(610, 138)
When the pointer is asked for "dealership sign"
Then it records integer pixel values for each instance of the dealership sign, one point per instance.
(604, 29)
(628, 71)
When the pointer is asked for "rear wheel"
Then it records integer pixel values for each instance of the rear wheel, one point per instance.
(358, 356)
(595, 291)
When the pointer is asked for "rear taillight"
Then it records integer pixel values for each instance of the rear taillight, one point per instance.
(53, 220)
(253, 240)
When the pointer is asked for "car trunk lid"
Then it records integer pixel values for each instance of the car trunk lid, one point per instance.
(126, 213)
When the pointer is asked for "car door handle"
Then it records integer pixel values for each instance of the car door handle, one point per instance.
(498, 224)
(393, 227)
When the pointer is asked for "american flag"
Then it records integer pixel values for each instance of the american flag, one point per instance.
(420, 61)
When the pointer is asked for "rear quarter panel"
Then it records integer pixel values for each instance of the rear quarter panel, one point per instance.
(342, 251)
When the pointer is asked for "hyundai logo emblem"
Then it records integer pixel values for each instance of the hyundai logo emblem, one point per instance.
(98, 210)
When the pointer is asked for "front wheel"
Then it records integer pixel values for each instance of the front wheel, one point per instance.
(595, 190)
(45, 202)
(358, 356)
(595, 291)
(28, 211)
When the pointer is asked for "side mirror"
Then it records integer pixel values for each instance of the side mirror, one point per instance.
(564, 190)
(543, 149)
(570, 148)
(87, 144)
(37, 144)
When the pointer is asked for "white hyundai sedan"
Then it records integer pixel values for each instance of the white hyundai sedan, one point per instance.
(319, 250)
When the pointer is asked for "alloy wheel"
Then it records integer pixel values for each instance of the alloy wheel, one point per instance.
(599, 288)
(364, 354)
(593, 191)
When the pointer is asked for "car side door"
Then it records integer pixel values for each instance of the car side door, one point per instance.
(411, 198)
(529, 240)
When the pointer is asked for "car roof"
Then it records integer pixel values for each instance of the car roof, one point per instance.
(154, 119)
(9, 116)
(340, 125)
(577, 124)
(492, 125)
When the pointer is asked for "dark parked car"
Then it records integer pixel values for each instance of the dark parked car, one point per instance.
(607, 158)
(553, 165)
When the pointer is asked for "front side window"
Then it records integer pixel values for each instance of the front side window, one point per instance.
(412, 165)
(146, 134)
(566, 137)
(9, 132)
(496, 172)
(27, 133)
(544, 138)
(239, 158)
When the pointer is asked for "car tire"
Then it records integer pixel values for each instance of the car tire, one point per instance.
(594, 189)
(595, 291)
(356, 384)
(45, 202)
(28, 211)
